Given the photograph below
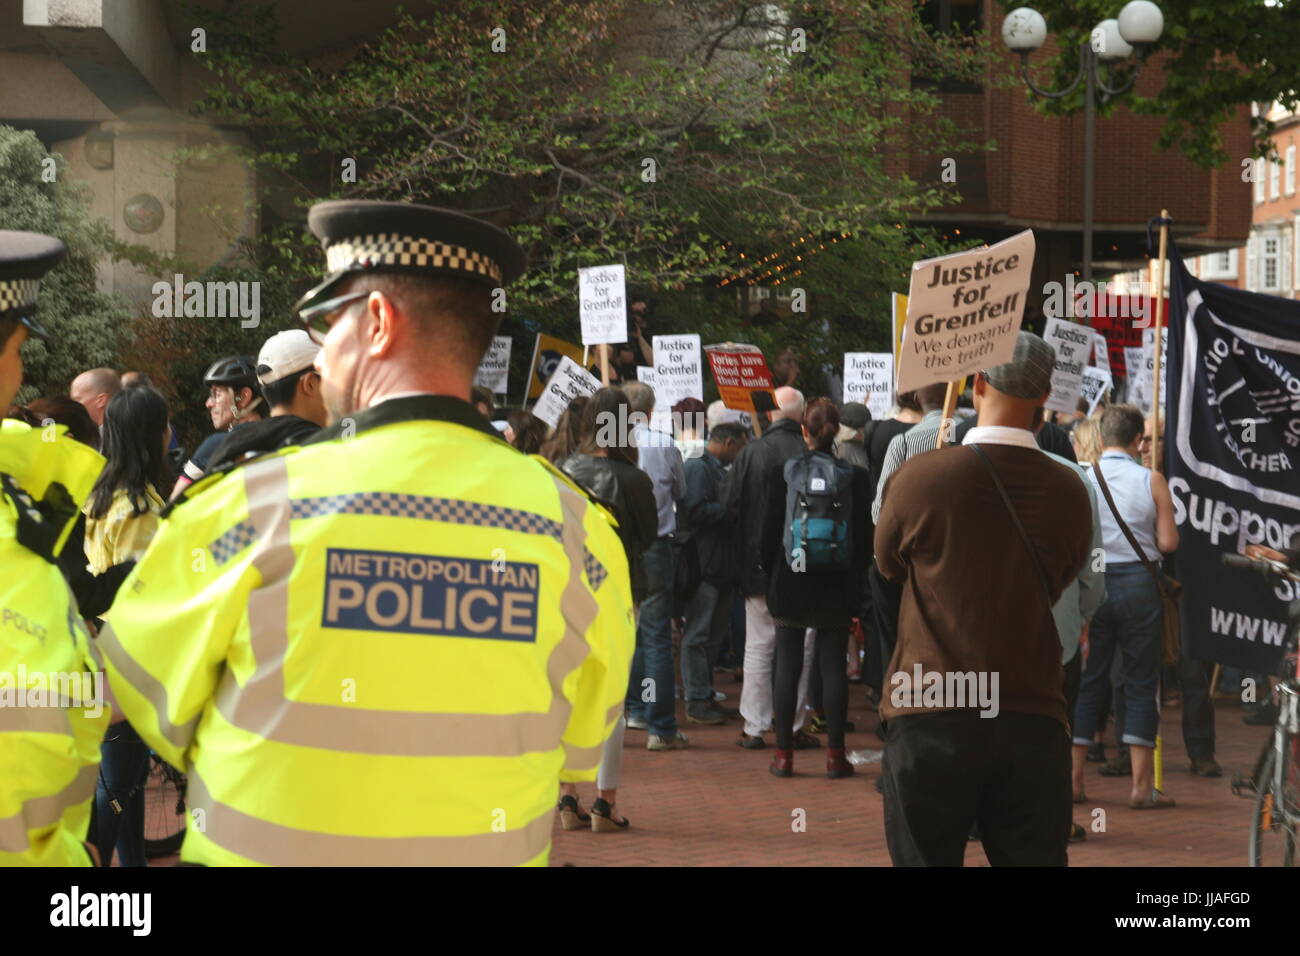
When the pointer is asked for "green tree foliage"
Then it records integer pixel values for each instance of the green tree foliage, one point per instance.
(1221, 54)
(687, 138)
(89, 327)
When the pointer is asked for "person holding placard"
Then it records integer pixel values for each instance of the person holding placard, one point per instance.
(652, 689)
(984, 540)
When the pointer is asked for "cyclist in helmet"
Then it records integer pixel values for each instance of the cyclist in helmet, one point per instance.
(234, 399)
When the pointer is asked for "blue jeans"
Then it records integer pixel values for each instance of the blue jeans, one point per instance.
(123, 771)
(708, 622)
(651, 693)
(1130, 622)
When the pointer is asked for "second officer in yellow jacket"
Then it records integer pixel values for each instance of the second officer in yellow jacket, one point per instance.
(389, 646)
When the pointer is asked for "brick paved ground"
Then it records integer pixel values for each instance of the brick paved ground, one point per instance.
(716, 805)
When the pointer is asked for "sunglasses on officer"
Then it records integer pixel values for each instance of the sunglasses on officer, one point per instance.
(315, 318)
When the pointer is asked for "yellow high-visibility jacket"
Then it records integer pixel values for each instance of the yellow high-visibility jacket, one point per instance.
(385, 647)
(50, 723)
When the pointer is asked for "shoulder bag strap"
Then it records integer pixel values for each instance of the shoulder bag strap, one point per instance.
(1128, 534)
(1015, 517)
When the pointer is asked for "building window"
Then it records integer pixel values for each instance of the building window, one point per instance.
(1220, 265)
(1259, 180)
(1290, 170)
(1274, 175)
(1270, 270)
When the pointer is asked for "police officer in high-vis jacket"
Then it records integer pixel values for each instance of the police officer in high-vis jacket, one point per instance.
(52, 715)
(389, 645)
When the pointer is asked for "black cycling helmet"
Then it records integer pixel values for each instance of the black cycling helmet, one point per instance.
(236, 371)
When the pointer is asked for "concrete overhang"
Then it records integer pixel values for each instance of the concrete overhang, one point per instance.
(120, 49)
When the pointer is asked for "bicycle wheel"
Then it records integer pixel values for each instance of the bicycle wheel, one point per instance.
(164, 809)
(1273, 825)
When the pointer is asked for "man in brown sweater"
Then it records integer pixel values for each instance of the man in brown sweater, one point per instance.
(977, 729)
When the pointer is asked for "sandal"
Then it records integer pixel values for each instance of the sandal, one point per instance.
(602, 818)
(1077, 833)
(1156, 800)
(1117, 766)
(571, 815)
(1081, 797)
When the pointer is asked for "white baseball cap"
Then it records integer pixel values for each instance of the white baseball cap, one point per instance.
(284, 354)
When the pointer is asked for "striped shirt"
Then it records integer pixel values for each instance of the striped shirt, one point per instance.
(921, 437)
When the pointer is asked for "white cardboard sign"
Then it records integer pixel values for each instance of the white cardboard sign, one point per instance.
(494, 371)
(602, 305)
(1096, 383)
(964, 312)
(1100, 352)
(869, 379)
(678, 369)
(569, 381)
(1073, 343)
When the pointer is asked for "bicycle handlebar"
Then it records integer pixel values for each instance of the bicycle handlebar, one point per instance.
(1262, 565)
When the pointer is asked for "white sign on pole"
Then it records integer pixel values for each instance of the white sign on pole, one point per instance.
(869, 379)
(964, 311)
(1096, 383)
(494, 371)
(569, 381)
(678, 372)
(602, 304)
(1100, 352)
(1139, 378)
(1073, 343)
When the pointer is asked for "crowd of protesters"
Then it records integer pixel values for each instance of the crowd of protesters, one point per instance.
(800, 549)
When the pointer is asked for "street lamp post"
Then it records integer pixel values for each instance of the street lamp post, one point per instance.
(1139, 25)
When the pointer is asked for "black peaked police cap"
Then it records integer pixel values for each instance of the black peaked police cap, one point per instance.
(25, 257)
(368, 235)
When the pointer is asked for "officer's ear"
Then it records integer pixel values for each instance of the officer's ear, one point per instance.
(383, 323)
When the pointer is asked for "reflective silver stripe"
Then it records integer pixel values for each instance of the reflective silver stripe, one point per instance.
(148, 687)
(260, 705)
(277, 844)
(36, 720)
(40, 812)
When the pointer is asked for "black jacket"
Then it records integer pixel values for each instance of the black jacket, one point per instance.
(258, 438)
(818, 598)
(701, 515)
(94, 592)
(755, 477)
(627, 491)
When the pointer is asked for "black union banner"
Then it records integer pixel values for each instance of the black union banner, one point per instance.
(1232, 451)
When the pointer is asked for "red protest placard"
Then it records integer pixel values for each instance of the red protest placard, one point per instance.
(1122, 318)
(738, 370)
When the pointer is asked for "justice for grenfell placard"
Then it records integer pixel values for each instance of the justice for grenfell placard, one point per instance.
(964, 311)
(602, 304)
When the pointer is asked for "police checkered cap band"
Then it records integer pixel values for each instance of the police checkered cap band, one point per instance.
(391, 249)
(18, 293)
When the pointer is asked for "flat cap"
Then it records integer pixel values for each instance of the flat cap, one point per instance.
(1029, 373)
(367, 235)
(855, 415)
(25, 257)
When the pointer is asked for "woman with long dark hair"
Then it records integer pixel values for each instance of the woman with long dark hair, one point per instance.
(121, 520)
(825, 599)
(608, 470)
(122, 513)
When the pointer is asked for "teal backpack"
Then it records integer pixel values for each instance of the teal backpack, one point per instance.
(818, 511)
